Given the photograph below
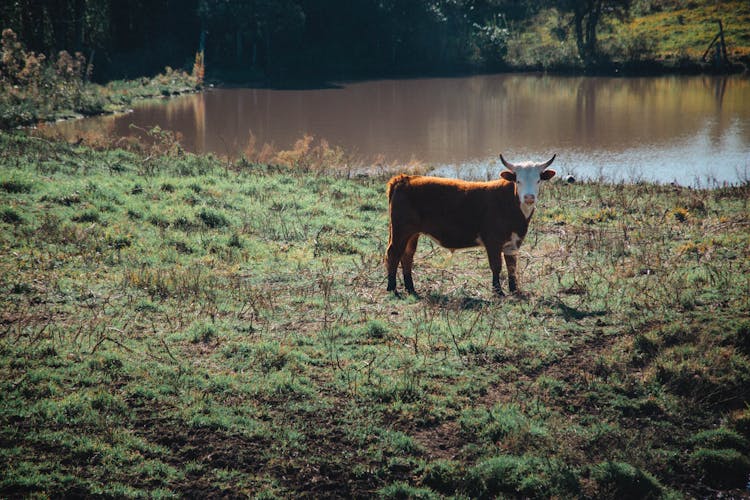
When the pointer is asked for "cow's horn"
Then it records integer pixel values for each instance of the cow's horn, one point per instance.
(507, 164)
(545, 165)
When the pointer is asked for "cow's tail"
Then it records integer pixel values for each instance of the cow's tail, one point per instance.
(395, 183)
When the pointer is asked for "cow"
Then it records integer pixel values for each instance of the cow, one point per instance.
(461, 214)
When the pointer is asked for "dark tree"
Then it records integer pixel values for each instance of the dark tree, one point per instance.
(250, 39)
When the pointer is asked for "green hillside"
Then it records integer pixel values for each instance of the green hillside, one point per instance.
(684, 29)
(655, 36)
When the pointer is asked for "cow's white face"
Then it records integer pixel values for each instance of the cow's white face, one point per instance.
(527, 177)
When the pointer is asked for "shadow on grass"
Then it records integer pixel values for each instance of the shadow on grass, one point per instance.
(571, 313)
(457, 303)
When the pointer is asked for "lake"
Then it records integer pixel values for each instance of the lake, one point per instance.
(694, 130)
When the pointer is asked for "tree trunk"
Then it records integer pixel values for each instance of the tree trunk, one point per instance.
(586, 15)
(578, 22)
(591, 25)
(238, 52)
(80, 24)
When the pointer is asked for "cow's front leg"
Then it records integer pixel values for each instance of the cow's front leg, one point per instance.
(510, 263)
(510, 251)
(496, 265)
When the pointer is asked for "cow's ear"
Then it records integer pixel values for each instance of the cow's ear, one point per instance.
(547, 174)
(508, 175)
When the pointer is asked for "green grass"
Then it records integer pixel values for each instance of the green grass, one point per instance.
(176, 325)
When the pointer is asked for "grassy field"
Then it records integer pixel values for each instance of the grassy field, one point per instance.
(180, 325)
(684, 29)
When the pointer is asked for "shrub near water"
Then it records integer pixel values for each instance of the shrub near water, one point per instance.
(34, 87)
(183, 326)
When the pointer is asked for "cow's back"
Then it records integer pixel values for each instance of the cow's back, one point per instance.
(441, 197)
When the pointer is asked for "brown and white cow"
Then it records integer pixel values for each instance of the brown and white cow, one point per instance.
(461, 214)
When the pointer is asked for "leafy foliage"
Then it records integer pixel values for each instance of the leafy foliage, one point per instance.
(280, 40)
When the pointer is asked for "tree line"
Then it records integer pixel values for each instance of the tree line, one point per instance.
(246, 39)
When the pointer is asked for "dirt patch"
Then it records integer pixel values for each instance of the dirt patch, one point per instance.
(330, 464)
(210, 448)
(442, 442)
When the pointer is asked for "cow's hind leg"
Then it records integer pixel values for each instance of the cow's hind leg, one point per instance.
(396, 248)
(407, 261)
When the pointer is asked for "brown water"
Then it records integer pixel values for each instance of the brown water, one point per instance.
(689, 129)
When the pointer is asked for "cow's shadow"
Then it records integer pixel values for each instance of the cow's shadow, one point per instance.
(573, 314)
(456, 303)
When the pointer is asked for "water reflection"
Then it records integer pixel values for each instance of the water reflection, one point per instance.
(653, 128)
